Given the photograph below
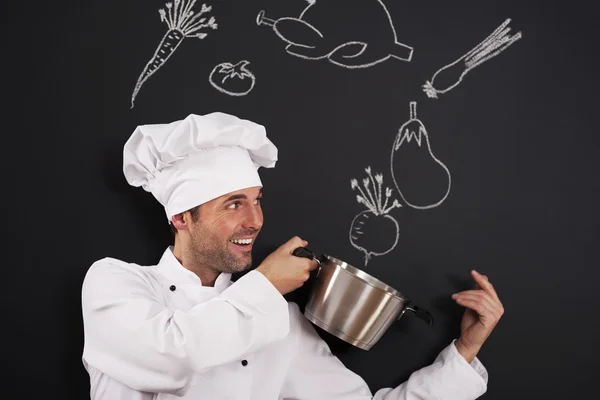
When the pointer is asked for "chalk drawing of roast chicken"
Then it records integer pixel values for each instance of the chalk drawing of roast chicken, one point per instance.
(351, 34)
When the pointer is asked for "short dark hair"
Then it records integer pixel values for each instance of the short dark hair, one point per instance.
(194, 212)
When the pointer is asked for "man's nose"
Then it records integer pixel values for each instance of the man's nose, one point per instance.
(254, 218)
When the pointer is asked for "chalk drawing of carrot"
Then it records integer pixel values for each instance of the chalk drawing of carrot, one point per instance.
(183, 23)
(449, 76)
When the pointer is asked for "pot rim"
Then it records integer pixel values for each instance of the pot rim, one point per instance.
(366, 278)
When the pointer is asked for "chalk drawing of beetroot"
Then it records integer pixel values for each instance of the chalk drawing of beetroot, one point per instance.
(335, 30)
(374, 231)
(422, 180)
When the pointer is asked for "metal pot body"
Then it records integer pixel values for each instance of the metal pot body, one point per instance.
(351, 304)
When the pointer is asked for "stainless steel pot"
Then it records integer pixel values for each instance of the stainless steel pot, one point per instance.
(353, 305)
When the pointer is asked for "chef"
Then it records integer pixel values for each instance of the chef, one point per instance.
(183, 329)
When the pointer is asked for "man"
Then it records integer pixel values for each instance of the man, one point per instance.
(183, 329)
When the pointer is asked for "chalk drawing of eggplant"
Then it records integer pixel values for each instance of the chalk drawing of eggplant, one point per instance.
(326, 30)
(422, 180)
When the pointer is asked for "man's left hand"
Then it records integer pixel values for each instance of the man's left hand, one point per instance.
(483, 312)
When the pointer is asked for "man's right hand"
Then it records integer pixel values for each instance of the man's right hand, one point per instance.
(285, 271)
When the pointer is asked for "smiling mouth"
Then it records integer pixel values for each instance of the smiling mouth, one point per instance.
(243, 244)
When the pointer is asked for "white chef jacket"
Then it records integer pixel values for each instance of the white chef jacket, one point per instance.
(155, 333)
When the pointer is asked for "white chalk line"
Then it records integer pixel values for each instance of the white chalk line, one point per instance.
(182, 23)
(238, 70)
(372, 198)
(494, 44)
(262, 20)
(404, 135)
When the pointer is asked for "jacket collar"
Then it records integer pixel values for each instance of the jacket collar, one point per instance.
(174, 272)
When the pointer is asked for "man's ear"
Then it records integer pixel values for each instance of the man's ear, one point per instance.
(180, 221)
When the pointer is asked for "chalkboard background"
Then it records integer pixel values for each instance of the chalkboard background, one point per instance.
(518, 135)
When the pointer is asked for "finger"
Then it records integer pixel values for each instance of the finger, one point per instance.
(485, 284)
(480, 303)
(482, 310)
(485, 317)
(308, 264)
(479, 295)
(480, 292)
(293, 244)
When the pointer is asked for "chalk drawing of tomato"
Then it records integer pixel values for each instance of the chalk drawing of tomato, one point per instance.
(234, 80)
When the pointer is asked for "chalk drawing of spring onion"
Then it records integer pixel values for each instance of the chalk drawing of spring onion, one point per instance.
(183, 23)
(451, 75)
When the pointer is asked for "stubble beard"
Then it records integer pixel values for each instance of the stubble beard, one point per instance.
(208, 250)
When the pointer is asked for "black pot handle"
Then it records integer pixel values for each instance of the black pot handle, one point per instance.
(308, 253)
(421, 313)
(304, 252)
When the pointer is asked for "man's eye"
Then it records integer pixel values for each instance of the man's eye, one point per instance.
(258, 200)
(233, 206)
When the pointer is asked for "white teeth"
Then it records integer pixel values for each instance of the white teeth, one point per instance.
(241, 241)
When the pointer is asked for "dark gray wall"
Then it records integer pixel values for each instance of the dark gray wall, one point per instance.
(518, 135)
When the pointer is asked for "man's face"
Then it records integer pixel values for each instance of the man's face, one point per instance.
(224, 234)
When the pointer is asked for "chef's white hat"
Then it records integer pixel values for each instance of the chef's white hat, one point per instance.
(189, 162)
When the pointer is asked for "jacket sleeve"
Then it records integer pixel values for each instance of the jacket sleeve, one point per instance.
(132, 337)
(315, 373)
